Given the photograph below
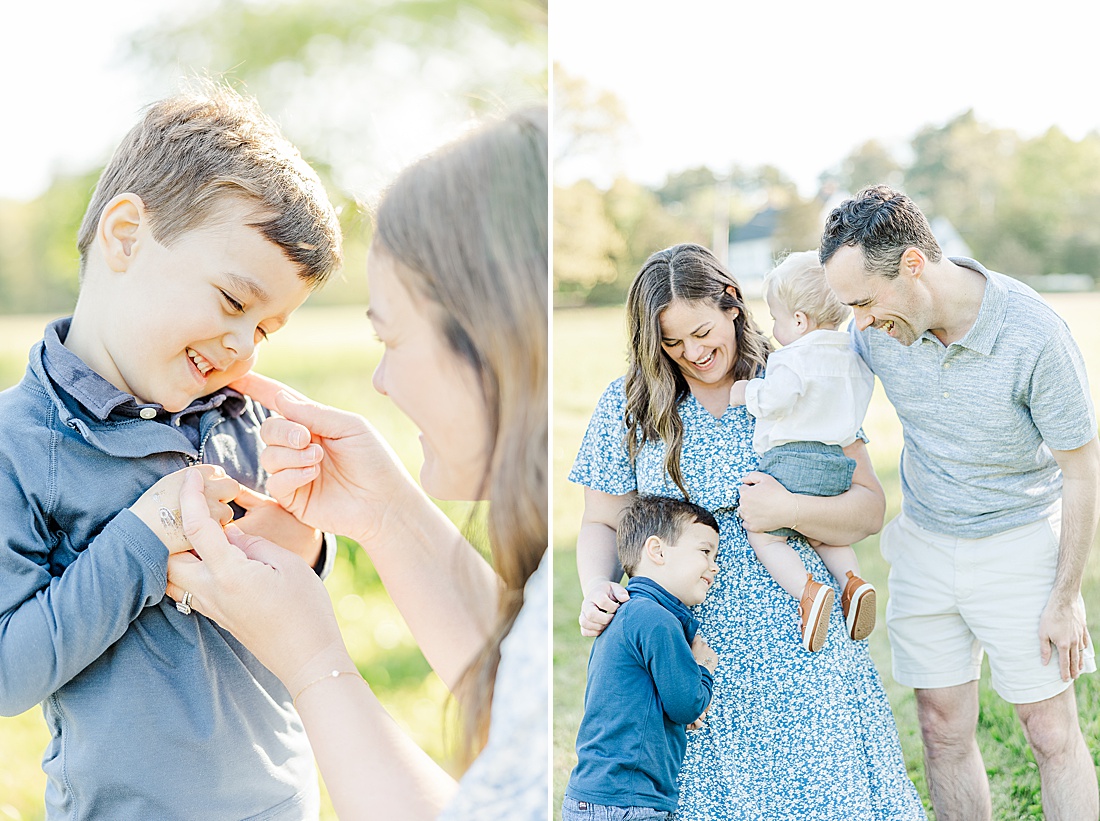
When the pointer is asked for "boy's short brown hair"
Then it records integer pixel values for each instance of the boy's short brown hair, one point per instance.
(657, 516)
(193, 151)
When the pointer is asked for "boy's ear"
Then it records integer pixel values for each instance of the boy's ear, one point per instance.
(800, 318)
(654, 550)
(119, 227)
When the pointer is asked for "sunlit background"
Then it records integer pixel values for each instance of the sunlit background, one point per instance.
(739, 126)
(362, 87)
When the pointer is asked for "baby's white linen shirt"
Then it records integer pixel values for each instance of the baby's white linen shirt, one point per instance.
(816, 389)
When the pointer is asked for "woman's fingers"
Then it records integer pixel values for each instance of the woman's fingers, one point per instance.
(320, 420)
(284, 433)
(249, 499)
(276, 457)
(186, 573)
(258, 548)
(262, 388)
(284, 484)
(201, 530)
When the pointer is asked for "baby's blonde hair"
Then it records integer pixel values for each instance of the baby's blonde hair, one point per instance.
(798, 283)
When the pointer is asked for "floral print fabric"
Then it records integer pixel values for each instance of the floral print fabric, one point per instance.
(790, 735)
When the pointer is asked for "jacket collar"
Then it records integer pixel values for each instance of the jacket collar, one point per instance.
(107, 417)
(648, 589)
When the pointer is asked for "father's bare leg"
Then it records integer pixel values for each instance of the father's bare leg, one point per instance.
(953, 764)
(1065, 767)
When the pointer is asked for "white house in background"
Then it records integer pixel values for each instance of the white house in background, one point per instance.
(751, 252)
(752, 247)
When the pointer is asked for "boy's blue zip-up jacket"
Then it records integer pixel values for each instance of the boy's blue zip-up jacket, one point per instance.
(644, 687)
(153, 714)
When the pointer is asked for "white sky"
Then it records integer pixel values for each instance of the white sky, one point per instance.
(799, 84)
(69, 95)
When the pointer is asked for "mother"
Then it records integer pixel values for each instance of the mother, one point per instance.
(458, 275)
(789, 734)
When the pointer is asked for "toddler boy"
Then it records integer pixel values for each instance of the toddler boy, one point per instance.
(809, 406)
(650, 673)
(205, 232)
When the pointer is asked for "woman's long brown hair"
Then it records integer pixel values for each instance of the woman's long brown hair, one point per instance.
(655, 385)
(469, 224)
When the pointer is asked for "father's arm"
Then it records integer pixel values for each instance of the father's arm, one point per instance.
(1063, 621)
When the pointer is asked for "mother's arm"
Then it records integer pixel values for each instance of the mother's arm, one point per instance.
(275, 605)
(332, 470)
(853, 515)
(598, 560)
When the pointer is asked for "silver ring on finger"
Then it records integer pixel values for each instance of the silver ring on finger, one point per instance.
(184, 604)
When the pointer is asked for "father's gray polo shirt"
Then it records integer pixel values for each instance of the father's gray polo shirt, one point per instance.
(980, 416)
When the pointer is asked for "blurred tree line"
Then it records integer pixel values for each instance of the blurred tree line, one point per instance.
(1026, 207)
(345, 79)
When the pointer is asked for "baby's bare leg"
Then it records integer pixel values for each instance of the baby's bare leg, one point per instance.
(839, 559)
(781, 561)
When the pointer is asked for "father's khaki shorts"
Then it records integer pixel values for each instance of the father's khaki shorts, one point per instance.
(950, 599)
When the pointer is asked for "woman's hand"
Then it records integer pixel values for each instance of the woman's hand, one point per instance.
(598, 560)
(765, 504)
(328, 467)
(159, 506)
(267, 518)
(267, 597)
(599, 606)
(845, 519)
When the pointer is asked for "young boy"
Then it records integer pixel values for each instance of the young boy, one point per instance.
(650, 673)
(808, 406)
(206, 231)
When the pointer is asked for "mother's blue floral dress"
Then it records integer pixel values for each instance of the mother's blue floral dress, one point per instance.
(790, 735)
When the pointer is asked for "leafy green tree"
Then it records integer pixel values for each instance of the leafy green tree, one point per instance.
(868, 164)
(645, 225)
(960, 171)
(586, 241)
(1050, 204)
(588, 122)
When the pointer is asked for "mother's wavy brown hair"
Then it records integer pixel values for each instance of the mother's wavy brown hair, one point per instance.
(655, 385)
(469, 224)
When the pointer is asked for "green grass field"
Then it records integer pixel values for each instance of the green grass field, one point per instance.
(328, 353)
(590, 351)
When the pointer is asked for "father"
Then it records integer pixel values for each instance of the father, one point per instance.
(999, 474)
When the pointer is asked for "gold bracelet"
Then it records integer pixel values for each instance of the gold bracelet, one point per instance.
(333, 674)
(796, 516)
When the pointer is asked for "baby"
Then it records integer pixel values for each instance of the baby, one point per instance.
(808, 406)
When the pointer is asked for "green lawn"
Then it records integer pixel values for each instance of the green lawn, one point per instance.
(589, 351)
(328, 353)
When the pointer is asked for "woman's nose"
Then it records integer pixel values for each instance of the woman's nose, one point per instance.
(378, 378)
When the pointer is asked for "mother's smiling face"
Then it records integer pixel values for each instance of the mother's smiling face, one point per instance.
(701, 340)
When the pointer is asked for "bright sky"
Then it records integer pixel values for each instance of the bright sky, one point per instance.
(800, 83)
(69, 95)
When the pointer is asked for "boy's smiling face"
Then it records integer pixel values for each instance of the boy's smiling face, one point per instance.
(169, 324)
(685, 568)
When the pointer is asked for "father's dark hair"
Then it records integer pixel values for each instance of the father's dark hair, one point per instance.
(882, 223)
(657, 516)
